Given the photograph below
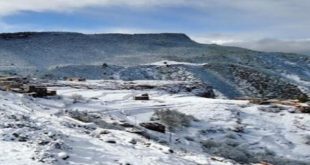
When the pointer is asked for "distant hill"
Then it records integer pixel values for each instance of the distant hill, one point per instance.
(66, 53)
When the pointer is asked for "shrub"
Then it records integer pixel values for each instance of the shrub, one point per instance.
(173, 119)
(81, 116)
(95, 118)
(303, 98)
(209, 144)
(76, 98)
(104, 65)
(307, 139)
(232, 149)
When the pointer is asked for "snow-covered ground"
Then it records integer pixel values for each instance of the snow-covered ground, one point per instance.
(165, 62)
(303, 85)
(86, 124)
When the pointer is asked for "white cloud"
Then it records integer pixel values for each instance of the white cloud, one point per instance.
(226, 38)
(4, 27)
(259, 7)
(284, 15)
(124, 30)
(217, 38)
(275, 45)
(255, 41)
(8, 7)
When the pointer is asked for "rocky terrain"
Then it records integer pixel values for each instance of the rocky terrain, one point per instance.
(80, 99)
(230, 80)
(131, 57)
(101, 122)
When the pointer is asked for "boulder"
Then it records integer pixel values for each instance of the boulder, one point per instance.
(304, 109)
(154, 126)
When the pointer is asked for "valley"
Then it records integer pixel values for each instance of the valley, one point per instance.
(99, 122)
(72, 98)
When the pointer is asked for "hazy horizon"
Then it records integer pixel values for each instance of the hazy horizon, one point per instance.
(264, 25)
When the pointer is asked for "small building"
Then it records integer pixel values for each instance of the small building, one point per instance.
(38, 91)
(34, 88)
(77, 79)
(21, 85)
(142, 97)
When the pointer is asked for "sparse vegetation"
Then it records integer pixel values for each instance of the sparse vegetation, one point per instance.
(87, 117)
(76, 98)
(232, 149)
(303, 98)
(81, 116)
(173, 119)
(104, 65)
(307, 139)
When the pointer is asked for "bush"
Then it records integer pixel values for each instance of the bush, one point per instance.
(76, 98)
(303, 98)
(173, 119)
(307, 139)
(232, 149)
(104, 65)
(95, 118)
(81, 116)
(229, 149)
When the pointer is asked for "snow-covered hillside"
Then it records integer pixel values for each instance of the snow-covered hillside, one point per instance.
(40, 51)
(233, 71)
(98, 122)
(231, 80)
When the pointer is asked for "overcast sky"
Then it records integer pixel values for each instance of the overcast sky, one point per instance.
(270, 25)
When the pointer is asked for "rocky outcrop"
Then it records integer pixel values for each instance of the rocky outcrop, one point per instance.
(258, 84)
(154, 126)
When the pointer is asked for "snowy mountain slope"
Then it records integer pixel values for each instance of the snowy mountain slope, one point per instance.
(64, 54)
(231, 80)
(85, 125)
(44, 135)
(48, 49)
(74, 48)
